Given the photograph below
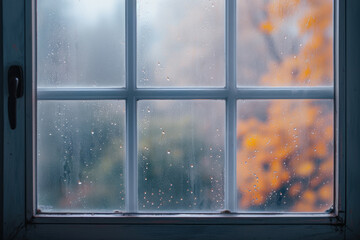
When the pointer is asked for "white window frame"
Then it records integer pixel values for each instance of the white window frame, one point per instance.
(231, 93)
(19, 214)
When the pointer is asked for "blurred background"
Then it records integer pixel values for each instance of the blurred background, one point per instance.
(285, 148)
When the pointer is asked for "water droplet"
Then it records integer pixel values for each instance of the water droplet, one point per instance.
(168, 152)
(163, 132)
(158, 63)
(168, 79)
(79, 183)
(92, 132)
(192, 165)
(285, 37)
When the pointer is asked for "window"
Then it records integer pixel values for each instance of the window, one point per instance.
(186, 105)
(245, 131)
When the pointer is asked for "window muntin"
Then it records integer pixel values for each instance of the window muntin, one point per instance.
(230, 95)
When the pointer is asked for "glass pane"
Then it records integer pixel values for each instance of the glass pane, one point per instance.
(80, 43)
(285, 155)
(285, 43)
(81, 156)
(181, 155)
(181, 43)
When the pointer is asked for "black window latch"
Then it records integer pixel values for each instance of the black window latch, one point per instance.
(16, 90)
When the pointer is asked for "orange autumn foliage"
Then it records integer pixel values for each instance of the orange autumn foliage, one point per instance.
(267, 27)
(313, 65)
(285, 160)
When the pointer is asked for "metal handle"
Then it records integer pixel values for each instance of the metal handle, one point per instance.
(16, 90)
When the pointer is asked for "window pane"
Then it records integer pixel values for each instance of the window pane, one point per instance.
(285, 155)
(80, 156)
(285, 42)
(181, 43)
(81, 43)
(181, 155)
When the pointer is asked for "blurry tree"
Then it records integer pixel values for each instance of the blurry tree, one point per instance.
(285, 147)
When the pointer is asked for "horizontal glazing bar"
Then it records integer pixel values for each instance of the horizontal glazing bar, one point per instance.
(286, 93)
(81, 93)
(241, 93)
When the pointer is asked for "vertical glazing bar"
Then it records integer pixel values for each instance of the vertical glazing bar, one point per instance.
(230, 166)
(131, 159)
(340, 105)
(30, 108)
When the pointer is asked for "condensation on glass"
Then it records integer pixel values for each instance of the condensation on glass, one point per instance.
(80, 43)
(285, 43)
(285, 155)
(81, 156)
(285, 148)
(181, 43)
(181, 156)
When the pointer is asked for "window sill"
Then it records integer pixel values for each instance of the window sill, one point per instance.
(191, 219)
